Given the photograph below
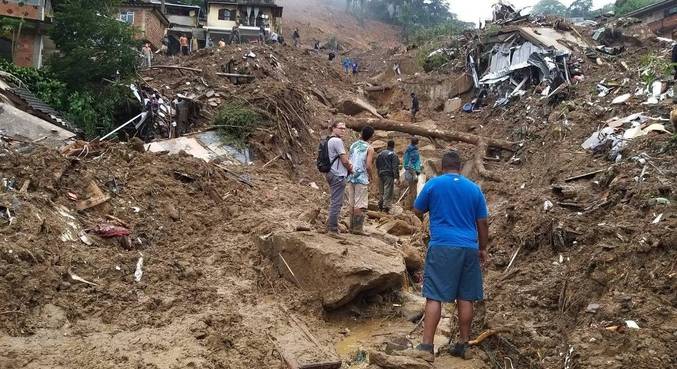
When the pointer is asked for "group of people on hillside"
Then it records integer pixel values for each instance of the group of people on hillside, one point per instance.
(350, 172)
(350, 66)
(457, 216)
(186, 45)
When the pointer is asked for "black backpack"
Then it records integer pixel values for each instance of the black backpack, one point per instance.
(324, 163)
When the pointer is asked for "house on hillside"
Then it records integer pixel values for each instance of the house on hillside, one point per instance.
(184, 20)
(251, 14)
(147, 17)
(660, 17)
(25, 41)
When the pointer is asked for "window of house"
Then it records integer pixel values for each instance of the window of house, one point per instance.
(670, 11)
(28, 2)
(6, 49)
(127, 16)
(225, 14)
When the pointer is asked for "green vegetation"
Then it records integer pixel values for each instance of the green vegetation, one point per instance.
(583, 8)
(549, 7)
(653, 67)
(94, 51)
(93, 112)
(419, 19)
(91, 46)
(237, 122)
(626, 6)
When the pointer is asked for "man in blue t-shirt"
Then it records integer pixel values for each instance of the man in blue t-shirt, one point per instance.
(459, 234)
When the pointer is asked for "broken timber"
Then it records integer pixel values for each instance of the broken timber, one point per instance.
(97, 197)
(175, 67)
(584, 175)
(447, 135)
(234, 75)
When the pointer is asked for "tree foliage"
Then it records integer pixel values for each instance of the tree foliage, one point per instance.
(580, 8)
(549, 7)
(625, 6)
(413, 16)
(93, 45)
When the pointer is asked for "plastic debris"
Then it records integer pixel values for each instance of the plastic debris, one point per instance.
(621, 99)
(657, 219)
(138, 273)
(631, 324)
(547, 205)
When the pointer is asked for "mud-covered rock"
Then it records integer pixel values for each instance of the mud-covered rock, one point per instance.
(399, 228)
(386, 361)
(412, 258)
(339, 268)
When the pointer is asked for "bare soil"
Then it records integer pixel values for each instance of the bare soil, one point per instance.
(208, 298)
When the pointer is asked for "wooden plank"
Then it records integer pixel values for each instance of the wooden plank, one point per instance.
(234, 75)
(325, 365)
(175, 67)
(584, 175)
(97, 197)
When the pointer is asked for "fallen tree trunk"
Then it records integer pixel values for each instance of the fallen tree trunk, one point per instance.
(479, 161)
(392, 125)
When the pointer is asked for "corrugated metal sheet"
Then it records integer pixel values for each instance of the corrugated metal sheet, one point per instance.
(44, 111)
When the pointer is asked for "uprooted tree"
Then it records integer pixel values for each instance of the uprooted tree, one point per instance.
(482, 143)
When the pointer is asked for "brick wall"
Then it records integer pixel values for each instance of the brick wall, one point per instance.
(664, 26)
(155, 28)
(15, 9)
(149, 25)
(25, 49)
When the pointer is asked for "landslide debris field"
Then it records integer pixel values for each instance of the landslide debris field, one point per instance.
(192, 264)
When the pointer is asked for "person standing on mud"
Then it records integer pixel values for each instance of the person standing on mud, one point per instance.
(459, 234)
(415, 108)
(235, 33)
(183, 41)
(412, 168)
(388, 166)
(336, 177)
(296, 37)
(147, 55)
(362, 157)
(262, 34)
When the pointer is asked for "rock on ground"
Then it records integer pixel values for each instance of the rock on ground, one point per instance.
(413, 306)
(386, 361)
(338, 267)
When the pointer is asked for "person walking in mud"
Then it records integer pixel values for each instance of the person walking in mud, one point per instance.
(459, 234)
(388, 167)
(340, 168)
(415, 108)
(362, 157)
(412, 168)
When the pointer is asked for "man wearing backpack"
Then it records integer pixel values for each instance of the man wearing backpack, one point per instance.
(333, 161)
(361, 156)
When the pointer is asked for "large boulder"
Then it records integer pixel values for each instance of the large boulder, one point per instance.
(339, 268)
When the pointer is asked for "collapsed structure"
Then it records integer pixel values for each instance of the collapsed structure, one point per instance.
(144, 255)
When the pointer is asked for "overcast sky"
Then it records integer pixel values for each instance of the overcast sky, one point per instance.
(474, 10)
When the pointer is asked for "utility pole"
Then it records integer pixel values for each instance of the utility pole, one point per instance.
(162, 6)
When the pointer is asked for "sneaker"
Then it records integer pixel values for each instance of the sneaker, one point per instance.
(461, 350)
(422, 351)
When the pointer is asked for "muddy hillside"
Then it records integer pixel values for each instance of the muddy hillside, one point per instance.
(209, 250)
